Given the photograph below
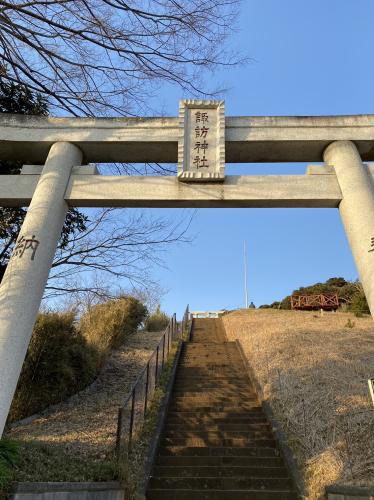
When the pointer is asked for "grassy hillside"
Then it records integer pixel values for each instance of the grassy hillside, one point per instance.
(64, 355)
(75, 440)
(313, 370)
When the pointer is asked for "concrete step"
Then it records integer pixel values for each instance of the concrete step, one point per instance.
(215, 407)
(212, 369)
(211, 353)
(217, 380)
(232, 441)
(253, 412)
(233, 388)
(215, 377)
(233, 395)
(214, 396)
(215, 471)
(212, 386)
(214, 381)
(198, 374)
(214, 427)
(221, 434)
(210, 400)
(164, 494)
(209, 372)
(203, 348)
(194, 393)
(212, 358)
(219, 451)
(237, 395)
(243, 461)
(222, 483)
(196, 422)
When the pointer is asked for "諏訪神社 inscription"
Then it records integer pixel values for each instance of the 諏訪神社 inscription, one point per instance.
(201, 148)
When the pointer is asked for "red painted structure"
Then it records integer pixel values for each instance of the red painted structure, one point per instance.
(326, 301)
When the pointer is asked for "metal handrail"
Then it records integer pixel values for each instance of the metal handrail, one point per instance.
(173, 331)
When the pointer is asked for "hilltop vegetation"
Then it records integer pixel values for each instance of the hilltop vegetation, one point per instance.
(350, 293)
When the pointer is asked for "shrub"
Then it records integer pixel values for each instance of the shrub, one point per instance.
(63, 359)
(157, 322)
(107, 325)
(59, 363)
(346, 291)
(350, 324)
(359, 305)
(8, 459)
(285, 303)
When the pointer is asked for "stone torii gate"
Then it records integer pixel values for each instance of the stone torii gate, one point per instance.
(201, 140)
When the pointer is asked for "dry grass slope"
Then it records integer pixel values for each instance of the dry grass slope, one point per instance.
(313, 370)
(74, 440)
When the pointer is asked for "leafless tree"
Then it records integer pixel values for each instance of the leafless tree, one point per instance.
(116, 251)
(107, 56)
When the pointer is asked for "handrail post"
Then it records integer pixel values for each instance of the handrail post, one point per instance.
(131, 418)
(146, 390)
(119, 430)
(169, 333)
(157, 350)
(163, 350)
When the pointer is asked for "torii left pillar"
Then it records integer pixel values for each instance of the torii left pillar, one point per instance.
(24, 281)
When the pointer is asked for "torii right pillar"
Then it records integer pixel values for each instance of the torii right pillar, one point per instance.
(356, 209)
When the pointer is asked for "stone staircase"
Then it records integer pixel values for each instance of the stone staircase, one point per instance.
(216, 443)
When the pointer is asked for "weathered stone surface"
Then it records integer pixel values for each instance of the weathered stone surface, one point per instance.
(248, 138)
(78, 170)
(356, 209)
(341, 492)
(69, 491)
(132, 191)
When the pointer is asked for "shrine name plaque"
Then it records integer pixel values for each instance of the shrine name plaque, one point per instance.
(201, 146)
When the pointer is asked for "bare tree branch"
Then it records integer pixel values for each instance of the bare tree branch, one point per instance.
(106, 56)
(118, 247)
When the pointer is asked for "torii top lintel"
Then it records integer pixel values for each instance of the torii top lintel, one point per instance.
(248, 139)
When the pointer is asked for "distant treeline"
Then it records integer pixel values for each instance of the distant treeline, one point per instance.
(350, 293)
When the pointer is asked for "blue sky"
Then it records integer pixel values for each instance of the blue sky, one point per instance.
(307, 58)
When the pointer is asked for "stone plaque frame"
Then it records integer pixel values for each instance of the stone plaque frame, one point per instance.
(215, 172)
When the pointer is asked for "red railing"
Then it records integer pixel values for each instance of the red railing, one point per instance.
(326, 301)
